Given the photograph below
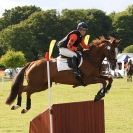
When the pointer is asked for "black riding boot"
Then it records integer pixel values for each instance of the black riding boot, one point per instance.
(75, 66)
(77, 71)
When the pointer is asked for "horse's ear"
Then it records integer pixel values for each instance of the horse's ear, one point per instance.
(117, 42)
(111, 38)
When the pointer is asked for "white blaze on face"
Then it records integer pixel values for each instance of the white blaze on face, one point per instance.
(116, 52)
(108, 47)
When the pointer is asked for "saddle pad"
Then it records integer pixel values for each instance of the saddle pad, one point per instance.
(63, 65)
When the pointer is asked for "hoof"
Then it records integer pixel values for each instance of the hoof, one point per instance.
(24, 111)
(15, 107)
(99, 97)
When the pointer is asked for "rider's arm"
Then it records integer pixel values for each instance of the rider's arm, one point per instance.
(72, 39)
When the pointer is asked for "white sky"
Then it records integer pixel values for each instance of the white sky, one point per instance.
(106, 5)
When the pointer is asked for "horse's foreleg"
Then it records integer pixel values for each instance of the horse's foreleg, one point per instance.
(102, 91)
(109, 79)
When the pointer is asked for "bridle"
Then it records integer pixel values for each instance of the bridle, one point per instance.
(110, 59)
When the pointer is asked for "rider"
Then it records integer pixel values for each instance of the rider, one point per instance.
(69, 45)
(130, 64)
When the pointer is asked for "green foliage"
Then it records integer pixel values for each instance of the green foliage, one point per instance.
(128, 49)
(19, 38)
(30, 30)
(31, 36)
(98, 22)
(44, 26)
(130, 9)
(2, 66)
(13, 59)
(16, 15)
(123, 26)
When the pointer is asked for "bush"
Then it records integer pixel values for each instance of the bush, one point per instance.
(2, 67)
(13, 59)
(128, 49)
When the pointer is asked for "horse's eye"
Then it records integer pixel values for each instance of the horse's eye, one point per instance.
(112, 51)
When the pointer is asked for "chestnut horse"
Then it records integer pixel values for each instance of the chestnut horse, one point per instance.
(36, 73)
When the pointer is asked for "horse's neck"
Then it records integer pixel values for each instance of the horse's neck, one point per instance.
(96, 56)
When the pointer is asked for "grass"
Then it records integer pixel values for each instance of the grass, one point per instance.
(118, 106)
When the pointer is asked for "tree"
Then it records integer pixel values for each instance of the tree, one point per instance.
(44, 27)
(123, 26)
(98, 22)
(13, 59)
(16, 15)
(33, 35)
(128, 49)
(20, 38)
(130, 9)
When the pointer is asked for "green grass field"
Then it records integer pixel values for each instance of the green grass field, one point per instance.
(118, 106)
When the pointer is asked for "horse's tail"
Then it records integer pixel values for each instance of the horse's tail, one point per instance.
(18, 81)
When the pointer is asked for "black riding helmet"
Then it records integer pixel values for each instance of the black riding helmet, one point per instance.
(82, 25)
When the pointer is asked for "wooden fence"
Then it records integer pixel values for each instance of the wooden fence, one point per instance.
(78, 117)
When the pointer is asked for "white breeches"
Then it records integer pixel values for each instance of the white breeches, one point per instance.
(67, 52)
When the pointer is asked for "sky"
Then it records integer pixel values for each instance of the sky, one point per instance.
(107, 6)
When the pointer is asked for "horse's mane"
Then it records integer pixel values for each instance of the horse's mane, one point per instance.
(100, 40)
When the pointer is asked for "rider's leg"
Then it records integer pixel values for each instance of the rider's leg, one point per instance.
(75, 66)
(67, 52)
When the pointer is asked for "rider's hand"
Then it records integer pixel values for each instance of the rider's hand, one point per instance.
(91, 44)
(79, 48)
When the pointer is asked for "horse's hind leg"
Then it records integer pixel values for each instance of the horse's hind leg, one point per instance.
(30, 90)
(28, 103)
(19, 100)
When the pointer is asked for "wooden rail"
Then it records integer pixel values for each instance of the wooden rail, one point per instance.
(78, 117)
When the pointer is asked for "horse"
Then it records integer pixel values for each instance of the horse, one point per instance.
(36, 73)
(129, 71)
